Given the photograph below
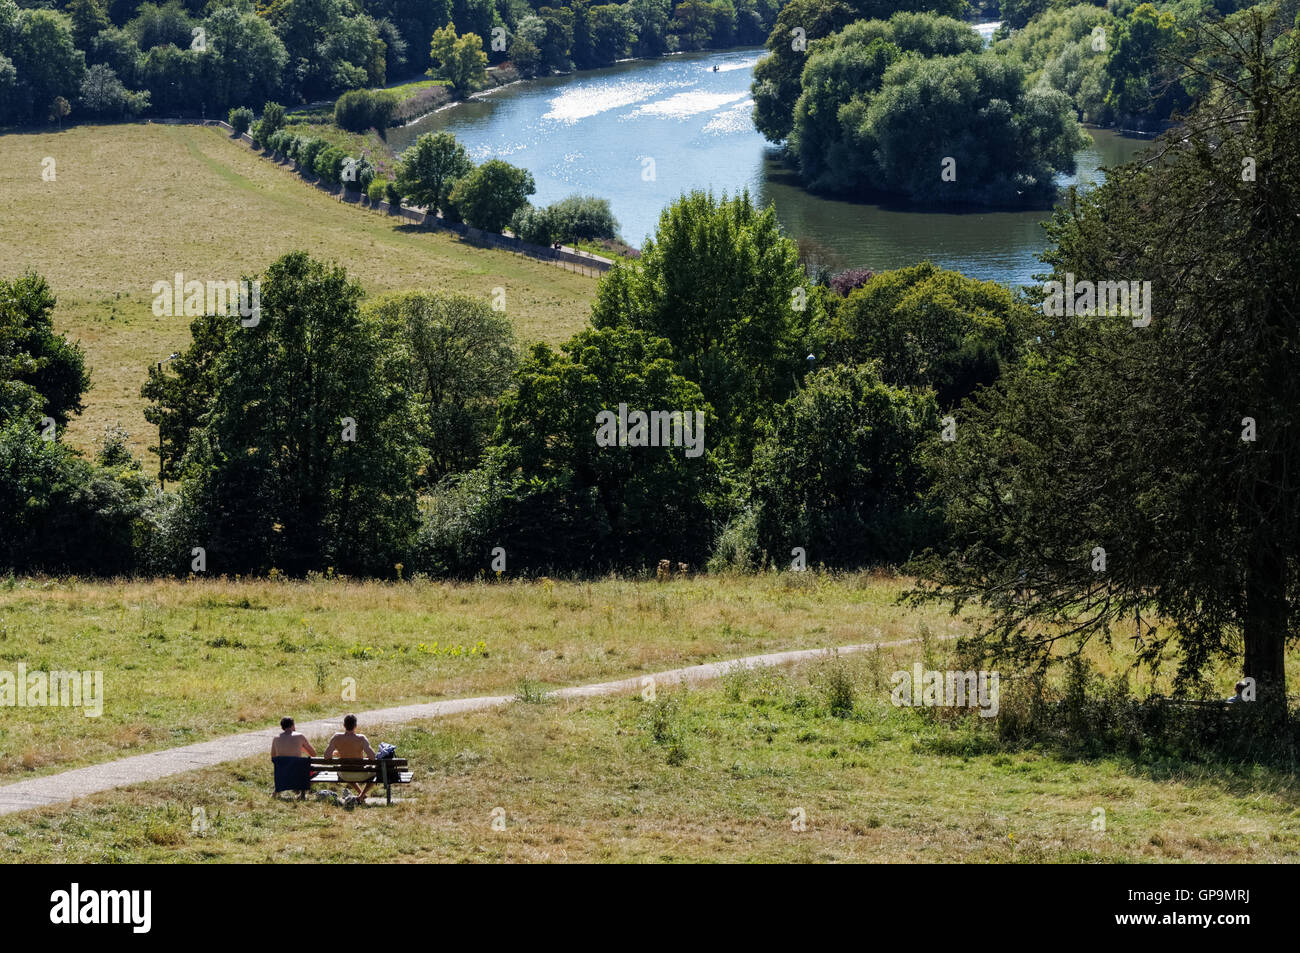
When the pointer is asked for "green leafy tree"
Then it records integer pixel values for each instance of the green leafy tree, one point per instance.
(931, 328)
(62, 514)
(180, 391)
(462, 356)
(46, 62)
(89, 18)
(650, 19)
(1018, 13)
(309, 451)
(430, 168)
(801, 23)
(491, 194)
(722, 283)
(556, 41)
(525, 56)
(1133, 480)
(103, 94)
(360, 109)
(59, 513)
(583, 42)
(458, 59)
(693, 24)
(167, 24)
(838, 472)
(554, 497)
(613, 32)
(1139, 83)
(776, 76)
(250, 59)
(41, 372)
(1066, 49)
(583, 218)
(958, 129)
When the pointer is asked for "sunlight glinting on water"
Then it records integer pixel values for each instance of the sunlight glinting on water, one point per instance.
(591, 99)
(686, 104)
(736, 119)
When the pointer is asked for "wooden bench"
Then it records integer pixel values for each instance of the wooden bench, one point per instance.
(385, 771)
(299, 774)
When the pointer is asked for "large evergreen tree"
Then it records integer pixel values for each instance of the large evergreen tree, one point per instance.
(1151, 470)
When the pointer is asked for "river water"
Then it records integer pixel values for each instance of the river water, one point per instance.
(641, 133)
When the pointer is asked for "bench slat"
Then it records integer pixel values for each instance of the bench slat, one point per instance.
(332, 777)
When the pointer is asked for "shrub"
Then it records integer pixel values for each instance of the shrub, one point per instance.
(279, 142)
(583, 218)
(362, 174)
(376, 191)
(240, 119)
(272, 118)
(307, 153)
(392, 194)
(535, 225)
(329, 164)
(837, 685)
(737, 548)
(360, 109)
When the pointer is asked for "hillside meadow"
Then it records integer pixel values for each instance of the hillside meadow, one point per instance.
(757, 767)
(184, 661)
(190, 199)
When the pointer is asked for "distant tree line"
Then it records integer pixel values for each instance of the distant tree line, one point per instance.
(122, 58)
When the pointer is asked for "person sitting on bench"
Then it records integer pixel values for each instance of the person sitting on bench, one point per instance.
(291, 744)
(288, 751)
(348, 744)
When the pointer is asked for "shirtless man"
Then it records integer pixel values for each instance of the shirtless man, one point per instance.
(290, 743)
(348, 744)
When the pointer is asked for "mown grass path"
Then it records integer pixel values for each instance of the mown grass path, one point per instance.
(80, 782)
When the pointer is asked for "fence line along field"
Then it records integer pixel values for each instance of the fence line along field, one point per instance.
(182, 198)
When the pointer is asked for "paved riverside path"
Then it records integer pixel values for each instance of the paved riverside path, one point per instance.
(80, 782)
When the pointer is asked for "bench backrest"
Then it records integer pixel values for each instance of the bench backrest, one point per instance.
(355, 764)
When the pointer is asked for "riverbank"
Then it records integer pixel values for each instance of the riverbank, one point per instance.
(641, 133)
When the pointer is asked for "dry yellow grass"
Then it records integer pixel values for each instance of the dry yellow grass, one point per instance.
(134, 204)
(184, 661)
(708, 774)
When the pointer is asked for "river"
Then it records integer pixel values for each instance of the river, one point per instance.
(640, 133)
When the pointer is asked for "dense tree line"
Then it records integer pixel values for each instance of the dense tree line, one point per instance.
(336, 432)
(122, 58)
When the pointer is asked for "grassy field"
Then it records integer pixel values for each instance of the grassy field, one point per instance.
(710, 773)
(190, 199)
(185, 661)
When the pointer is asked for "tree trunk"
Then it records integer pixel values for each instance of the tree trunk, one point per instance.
(1265, 625)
